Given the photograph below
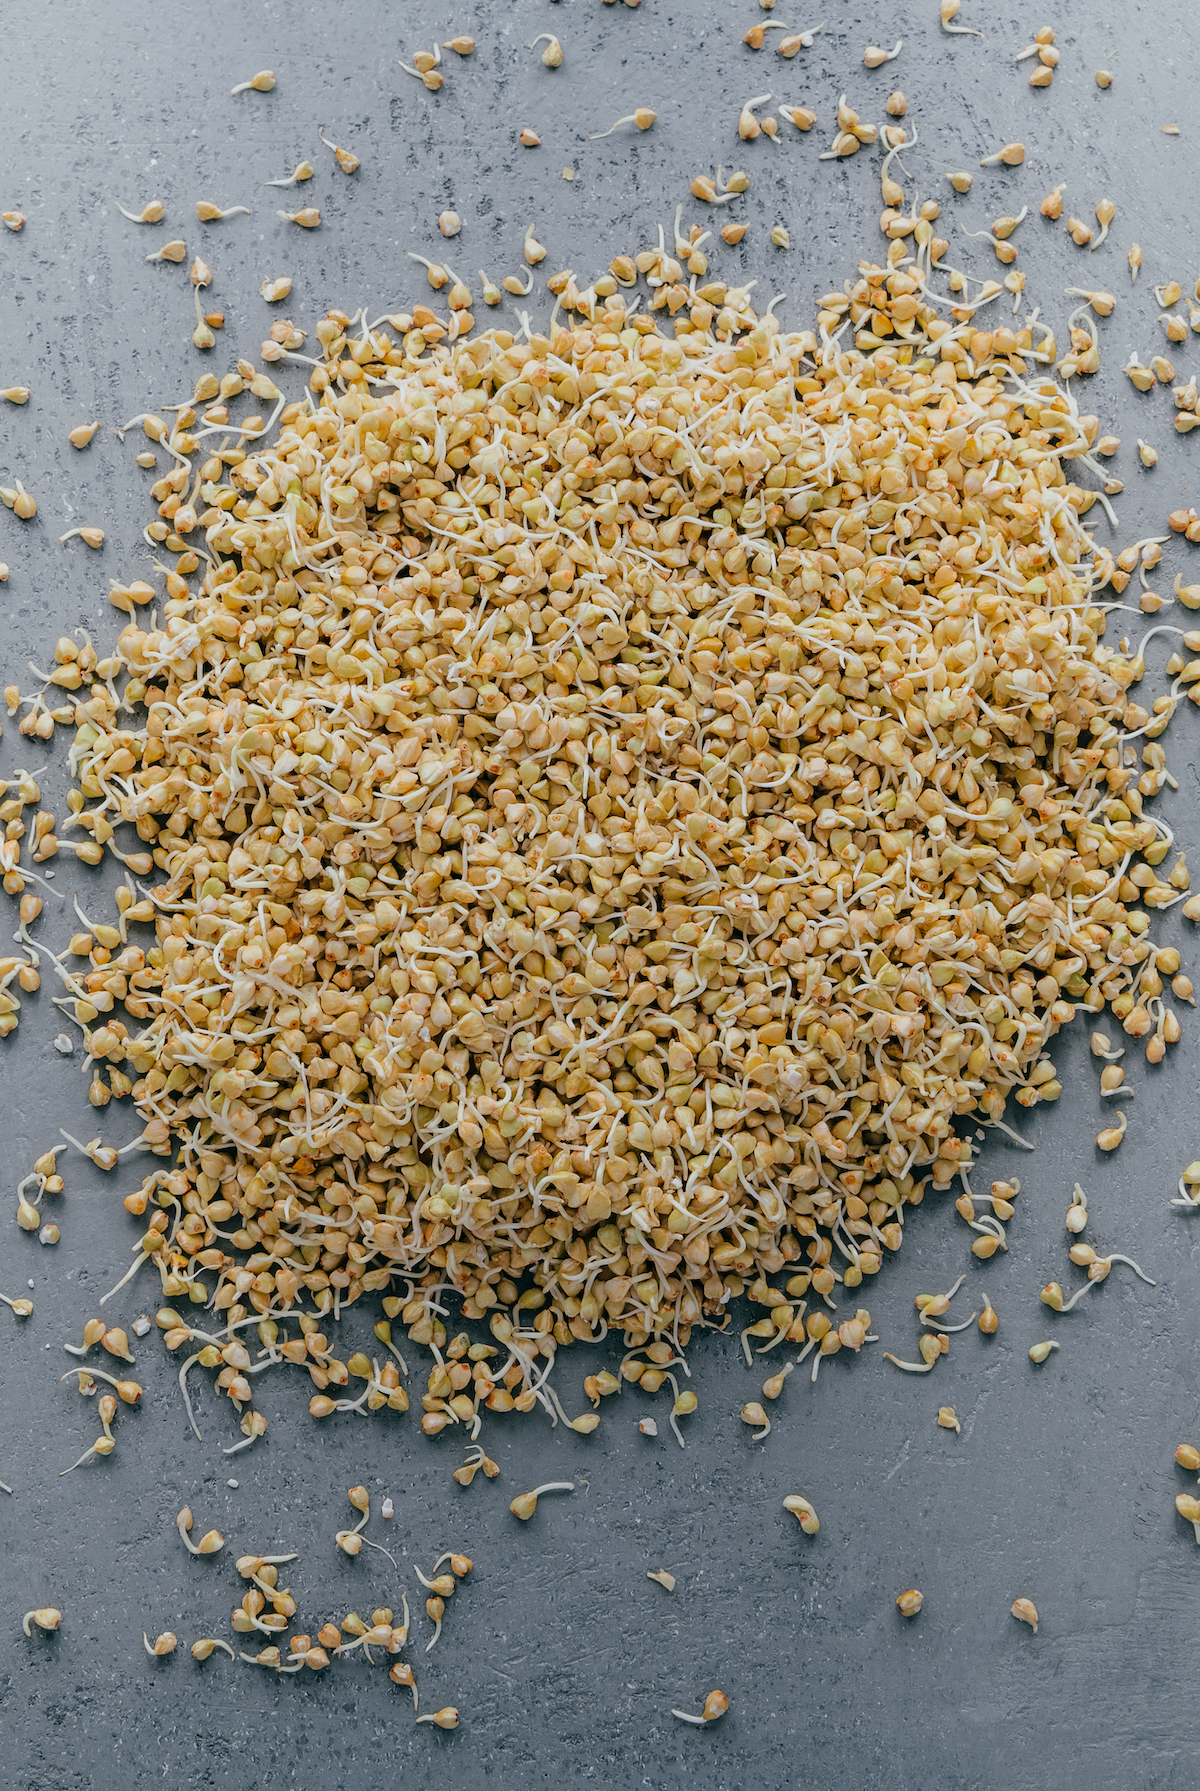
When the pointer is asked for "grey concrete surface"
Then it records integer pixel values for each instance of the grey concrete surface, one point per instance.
(562, 1658)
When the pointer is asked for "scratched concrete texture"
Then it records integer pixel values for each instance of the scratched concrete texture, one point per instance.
(563, 1659)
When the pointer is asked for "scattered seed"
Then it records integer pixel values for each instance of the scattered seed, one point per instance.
(1026, 1610)
(1103, 78)
(909, 1603)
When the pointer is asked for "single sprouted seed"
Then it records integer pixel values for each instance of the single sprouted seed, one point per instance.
(1012, 155)
(15, 394)
(161, 1645)
(663, 1578)
(756, 35)
(208, 213)
(552, 55)
(154, 213)
(446, 1718)
(1026, 1611)
(1077, 1212)
(1135, 262)
(347, 161)
(1105, 212)
(642, 119)
(1038, 1352)
(302, 171)
(534, 252)
(647, 1427)
(989, 1321)
(715, 1706)
(449, 223)
(874, 57)
(1188, 1457)
(804, 1513)
(12, 220)
(174, 251)
(90, 536)
(47, 1618)
(525, 1504)
(931, 1306)
(529, 138)
(207, 1645)
(948, 1419)
(1111, 1136)
(102, 1446)
(274, 290)
(308, 218)
(910, 1602)
(462, 45)
(82, 434)
(753, 1413)
(262, 82)
(21, 1308)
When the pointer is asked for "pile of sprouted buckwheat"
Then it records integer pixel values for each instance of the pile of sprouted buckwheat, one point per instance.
(607, 800)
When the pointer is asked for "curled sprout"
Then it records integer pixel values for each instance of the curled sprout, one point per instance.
(804, 1513)
(552, 55)
(208, 1645)
(46, 1618)
(161, 1645)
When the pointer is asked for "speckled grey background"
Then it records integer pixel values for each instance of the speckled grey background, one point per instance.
(562, 1658)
